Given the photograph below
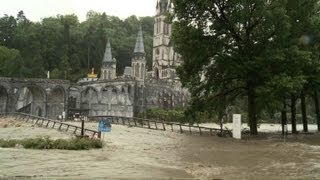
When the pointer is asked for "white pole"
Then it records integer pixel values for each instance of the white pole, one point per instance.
(236, 130)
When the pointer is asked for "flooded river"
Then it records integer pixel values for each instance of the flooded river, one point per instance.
(137, 153)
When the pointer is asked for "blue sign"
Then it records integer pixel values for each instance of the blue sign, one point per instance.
(104, 125)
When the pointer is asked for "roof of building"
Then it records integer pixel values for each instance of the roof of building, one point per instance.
(139, 48)
(108, 54)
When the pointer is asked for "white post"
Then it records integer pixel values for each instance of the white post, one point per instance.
(236, 130)
(64, 115)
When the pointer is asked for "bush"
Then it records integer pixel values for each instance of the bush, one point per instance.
(8, 143)
(166, 115)
(47, 143)
(37, 143)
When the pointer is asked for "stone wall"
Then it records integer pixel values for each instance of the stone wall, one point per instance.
(118, 97)
(41, 94)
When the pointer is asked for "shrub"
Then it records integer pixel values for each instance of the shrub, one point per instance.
(47, 143)
(8, 143)
(61, 144)
(37, 143)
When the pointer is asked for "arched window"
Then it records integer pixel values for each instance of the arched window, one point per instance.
(142, 71)
(109, 75)
(137, 69)
(165, 29)
(104, 74)
(156, 73)
(158, 26)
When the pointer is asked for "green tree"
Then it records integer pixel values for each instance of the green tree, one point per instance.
(62, 40)
(8, 26)
(11, 64)
(238, 46)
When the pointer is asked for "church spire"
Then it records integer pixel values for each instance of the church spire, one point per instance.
(139, 48)
(107, 54)
(109, 65)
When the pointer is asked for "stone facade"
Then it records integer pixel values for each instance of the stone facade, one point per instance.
(165, 59)
(39, 96)
(135, 91)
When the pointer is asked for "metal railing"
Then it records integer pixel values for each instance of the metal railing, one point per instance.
(53, 124)
(162, 125)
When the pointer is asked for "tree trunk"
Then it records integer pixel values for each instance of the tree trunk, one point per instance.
(304, 112)
(252, 111)
(316, 105)
(293, 114)
(284, 117)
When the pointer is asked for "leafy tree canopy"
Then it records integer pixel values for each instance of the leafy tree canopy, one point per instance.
(64, 45)
(242, 49)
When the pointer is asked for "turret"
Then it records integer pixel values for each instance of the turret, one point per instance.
(138, 59)
(109, 64)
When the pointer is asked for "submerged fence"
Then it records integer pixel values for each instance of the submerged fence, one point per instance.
(162, 125)
(53, 124)
(127, 121)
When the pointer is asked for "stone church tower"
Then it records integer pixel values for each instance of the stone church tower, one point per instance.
(139, 60)
(109, 65)
(165, 59)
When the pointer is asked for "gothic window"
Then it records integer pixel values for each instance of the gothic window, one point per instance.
(129, 89)
(142, 71)
(157, 51)
(165, 28)
(137, 69)
(156, 73)
(158, 26)
(109, 75)
(104, 75)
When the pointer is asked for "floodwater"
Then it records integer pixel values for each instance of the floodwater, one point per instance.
(138, 153)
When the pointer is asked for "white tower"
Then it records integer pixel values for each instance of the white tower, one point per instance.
(165, 59)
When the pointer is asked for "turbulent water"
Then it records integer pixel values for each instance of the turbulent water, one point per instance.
(137, 153)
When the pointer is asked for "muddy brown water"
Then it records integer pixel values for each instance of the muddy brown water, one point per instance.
(136, 153)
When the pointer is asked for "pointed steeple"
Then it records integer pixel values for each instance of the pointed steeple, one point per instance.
(139, 48)
(107, 53)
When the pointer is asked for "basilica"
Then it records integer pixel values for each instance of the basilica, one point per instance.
(128, 95)
(137, 89)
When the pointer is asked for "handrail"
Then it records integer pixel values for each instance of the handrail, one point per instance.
(161, 125)
(54, 123)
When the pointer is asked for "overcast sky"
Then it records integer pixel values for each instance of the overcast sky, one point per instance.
(35, 10)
